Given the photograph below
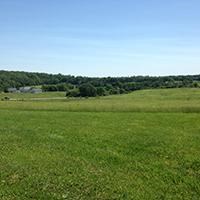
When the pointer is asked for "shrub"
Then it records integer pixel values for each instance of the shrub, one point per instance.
(73, 93)
(87, 90)
(101, 91)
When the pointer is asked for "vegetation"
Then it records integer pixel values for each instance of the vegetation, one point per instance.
(32, 96)
(151, 153)
(159, 100)
(101, 86)
(87, 90)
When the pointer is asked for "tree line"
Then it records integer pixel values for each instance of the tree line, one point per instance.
(76, 86)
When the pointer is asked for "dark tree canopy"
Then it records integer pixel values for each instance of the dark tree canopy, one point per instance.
(87, 90)
(86, 86)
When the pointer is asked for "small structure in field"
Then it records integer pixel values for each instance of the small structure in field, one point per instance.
(25, 89)
(36, 90)
(12, 90)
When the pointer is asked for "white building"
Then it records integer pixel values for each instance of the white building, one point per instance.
(36, 90)
(25, 89)
(12, 90)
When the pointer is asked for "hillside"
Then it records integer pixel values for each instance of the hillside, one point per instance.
(99, 86)
(151, 100)
(142, 145)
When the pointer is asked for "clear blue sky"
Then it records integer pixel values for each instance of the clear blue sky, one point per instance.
(101, 37)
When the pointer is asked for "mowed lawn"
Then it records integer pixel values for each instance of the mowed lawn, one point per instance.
(51, 153)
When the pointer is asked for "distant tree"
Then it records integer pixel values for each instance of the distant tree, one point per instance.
(87, 90)
(70, 86)
(49, 88)
(129, 86)
(195, 84)
(122, 91)
(6, 90)
(73, 93)
(95, 86)
(62, 87)
(101, 91)
(115, 91)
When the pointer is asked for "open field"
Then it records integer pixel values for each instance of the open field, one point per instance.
(163, 100)
(28, 96)
(144, 145)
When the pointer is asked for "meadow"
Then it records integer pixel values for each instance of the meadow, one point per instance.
(142, 145)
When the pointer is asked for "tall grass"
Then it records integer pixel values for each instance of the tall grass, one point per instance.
(165, 100)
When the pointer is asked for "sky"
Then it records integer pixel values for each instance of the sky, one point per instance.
(101, 37)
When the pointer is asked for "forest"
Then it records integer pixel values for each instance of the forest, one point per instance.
(76, 86)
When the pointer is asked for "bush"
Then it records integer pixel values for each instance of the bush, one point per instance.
(62, 87)
(87, 90)
(73, 93)
(115, 91)
(49, 88)
(101, 91)
(5, 99)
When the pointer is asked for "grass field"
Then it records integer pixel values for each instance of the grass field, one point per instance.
(144, 145)
(168, 100)
(28, 96)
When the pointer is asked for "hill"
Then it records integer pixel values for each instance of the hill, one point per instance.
(151, 100)
(142, 145)
(82, 86)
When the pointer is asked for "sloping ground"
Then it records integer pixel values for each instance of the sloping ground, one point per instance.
(47, 152)
(164, 100)
(28, 96)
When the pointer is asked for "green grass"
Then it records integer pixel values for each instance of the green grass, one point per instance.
(166, 100)
(47, 152)
(28, 96)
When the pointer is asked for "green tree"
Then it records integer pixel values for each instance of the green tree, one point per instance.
(87, 90)
(62, 87)
(73, 93)
(101, 91)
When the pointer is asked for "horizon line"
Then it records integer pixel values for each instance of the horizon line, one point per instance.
(136, 75)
